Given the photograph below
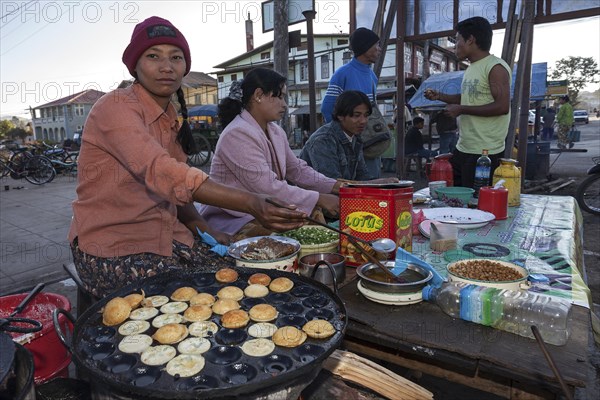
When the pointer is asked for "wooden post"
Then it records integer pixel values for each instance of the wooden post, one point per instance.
(400, 96)
(281, 49)
(312, 98)
(426, 65)
(525, 65)
(509, 34)
(508, 55)
(385, 37)
(378, 21)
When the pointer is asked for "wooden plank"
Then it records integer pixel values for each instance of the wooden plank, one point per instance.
(543, 185)
(554, 189)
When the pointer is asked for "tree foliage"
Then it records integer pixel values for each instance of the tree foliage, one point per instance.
(5, 126)
(579, 71)
(17, 133)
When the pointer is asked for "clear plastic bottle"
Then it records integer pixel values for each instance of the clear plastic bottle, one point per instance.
(482, 172)
(507, 310)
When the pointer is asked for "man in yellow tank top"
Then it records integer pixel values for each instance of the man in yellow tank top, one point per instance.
(483, 107)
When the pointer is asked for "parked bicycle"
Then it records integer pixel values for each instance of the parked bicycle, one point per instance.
(22, 163)
(588, 191)
(62, 159)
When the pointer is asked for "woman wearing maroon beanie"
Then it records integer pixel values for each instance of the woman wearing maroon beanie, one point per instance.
(134, 215)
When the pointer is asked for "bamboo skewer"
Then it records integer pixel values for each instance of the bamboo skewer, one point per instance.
(362, 371)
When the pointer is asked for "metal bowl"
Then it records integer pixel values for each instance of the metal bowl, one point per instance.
(521, 283)
(288, 263)
(414, 278)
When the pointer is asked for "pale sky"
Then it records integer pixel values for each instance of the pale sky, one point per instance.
(51, 49)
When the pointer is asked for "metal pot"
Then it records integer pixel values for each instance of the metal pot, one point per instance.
(16, 371)
(318, 267)
(412, 280)
(228, 373)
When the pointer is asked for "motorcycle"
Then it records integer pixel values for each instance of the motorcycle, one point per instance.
(588, 191)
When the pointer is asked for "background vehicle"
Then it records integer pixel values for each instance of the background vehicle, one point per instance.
(588, 191)
(62, 159)
(581, 116)
(22, 164)
(8, 144)
(531, 118)
(206, 141)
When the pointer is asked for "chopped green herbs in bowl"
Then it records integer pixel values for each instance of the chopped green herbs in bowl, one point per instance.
(314, 239)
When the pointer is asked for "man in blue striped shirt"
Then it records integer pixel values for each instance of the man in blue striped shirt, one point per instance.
(356, 75)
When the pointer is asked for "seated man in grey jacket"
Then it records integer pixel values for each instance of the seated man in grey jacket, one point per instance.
(336, 149)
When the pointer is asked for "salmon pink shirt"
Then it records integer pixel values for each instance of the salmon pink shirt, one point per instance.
(131, 176)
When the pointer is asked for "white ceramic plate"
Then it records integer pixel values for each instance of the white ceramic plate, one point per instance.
(423, 192)
(465, 218)
(425, 228)
(419, 198)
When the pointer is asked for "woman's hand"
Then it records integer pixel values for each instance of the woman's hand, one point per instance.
(279, 219)
(268, 215)
(330, 204)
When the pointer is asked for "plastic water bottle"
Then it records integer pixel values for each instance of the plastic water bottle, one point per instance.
(507, 310)
(482, 172)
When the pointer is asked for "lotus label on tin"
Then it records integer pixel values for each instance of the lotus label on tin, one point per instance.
(404, 220)
(364, 222)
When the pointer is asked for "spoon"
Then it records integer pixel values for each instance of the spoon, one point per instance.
(382, 245)
(374, 260)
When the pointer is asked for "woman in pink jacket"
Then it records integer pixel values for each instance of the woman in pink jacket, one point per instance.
(253, 154)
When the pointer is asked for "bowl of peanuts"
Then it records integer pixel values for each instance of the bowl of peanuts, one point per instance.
(490, 273)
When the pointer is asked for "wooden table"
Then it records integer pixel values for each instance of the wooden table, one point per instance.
(422, 337)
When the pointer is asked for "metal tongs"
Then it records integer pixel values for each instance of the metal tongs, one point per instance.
(352, 239)
(6, 324)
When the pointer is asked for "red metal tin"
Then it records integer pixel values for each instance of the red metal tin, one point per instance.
(372, 212)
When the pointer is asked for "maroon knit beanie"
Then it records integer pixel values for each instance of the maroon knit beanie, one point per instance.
(150, 32)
